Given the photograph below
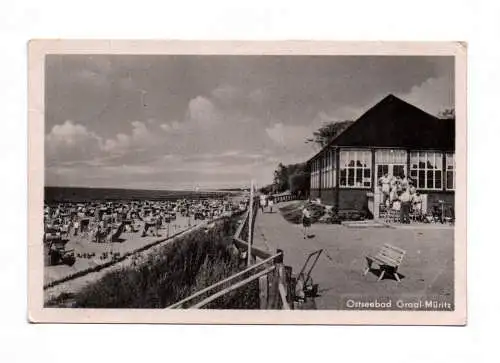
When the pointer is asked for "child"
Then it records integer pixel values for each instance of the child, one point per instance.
(306, 220)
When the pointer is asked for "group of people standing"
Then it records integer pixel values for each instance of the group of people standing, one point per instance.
(266, 202)
(400, 193)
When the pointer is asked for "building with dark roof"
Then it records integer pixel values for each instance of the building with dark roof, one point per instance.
(392, 137)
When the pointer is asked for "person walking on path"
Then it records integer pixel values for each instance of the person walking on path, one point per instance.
(270, 203)
(306, 220)
(262, 202)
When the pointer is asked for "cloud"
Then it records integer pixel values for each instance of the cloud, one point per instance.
(257, 96)
(71, 142)
(202, 112)
(225, 93)
(288, 136)
(143, 136)
(432, 96)
(171, 126)
(231, 153)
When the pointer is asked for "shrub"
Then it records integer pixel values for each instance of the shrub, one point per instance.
(293, 211)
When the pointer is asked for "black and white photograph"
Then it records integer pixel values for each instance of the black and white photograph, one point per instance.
(275, 180)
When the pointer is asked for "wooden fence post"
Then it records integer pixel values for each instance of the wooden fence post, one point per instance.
(250, 226)
(279, 282)
(285, 294)
(274, 295)
(263, 292)
(289, 285)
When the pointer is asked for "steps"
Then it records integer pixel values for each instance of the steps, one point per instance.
(364, 224)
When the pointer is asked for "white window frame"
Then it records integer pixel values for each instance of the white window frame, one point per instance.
(315, 174)
(359, 155)
(312, 175)
(450, 167)
(318, 174)
(330, 169)
(323, 171)
(327, 168)
(390, 156)
(436, 159)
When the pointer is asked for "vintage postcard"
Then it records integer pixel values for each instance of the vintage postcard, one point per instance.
(227, 182)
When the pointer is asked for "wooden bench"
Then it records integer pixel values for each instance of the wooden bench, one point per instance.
(388, 259)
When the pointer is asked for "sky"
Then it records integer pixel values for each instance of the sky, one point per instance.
(208, 122)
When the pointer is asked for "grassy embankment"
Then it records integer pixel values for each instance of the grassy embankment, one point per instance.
(179, 269)
(292, 212)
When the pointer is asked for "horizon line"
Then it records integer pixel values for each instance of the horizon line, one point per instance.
(127, 188)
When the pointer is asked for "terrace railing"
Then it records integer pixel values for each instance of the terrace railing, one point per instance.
(285, 197)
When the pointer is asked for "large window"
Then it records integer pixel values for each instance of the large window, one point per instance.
(324, 177)
(426, 168)
(318, 173)
(313, 171)
(355, 169)
(331, 169)
(328, 169)
(390, 156)
(390, 161)
(450, 171)
(315, 174)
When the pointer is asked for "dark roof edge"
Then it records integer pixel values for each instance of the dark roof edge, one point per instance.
(390, 95)
(331, 142)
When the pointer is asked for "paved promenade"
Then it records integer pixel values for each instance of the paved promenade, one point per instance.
(427, 267)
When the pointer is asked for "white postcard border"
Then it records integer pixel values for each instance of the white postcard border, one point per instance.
(37, 313)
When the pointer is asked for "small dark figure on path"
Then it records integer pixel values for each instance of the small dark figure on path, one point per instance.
(306, 221)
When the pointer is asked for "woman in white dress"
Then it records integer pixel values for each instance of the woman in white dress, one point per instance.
(270, 203)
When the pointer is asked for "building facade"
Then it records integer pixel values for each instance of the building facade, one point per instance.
(392, 137)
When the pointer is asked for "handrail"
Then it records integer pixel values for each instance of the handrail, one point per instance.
(244, 221)
(201, 292)
(242, 224)
(257, 252)
(233, 287)
(254, 251)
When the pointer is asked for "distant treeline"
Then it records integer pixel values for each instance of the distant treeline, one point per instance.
(80, 195)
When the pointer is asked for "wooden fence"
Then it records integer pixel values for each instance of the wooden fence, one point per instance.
(276, 290)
